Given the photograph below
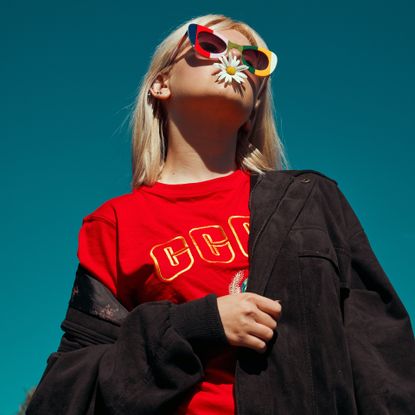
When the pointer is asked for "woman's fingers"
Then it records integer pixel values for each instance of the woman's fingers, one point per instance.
(271, 307)
(249, 319)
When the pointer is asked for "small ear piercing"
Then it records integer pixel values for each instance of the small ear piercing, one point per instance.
(158, 93)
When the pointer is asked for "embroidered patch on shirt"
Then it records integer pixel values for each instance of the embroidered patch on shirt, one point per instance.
(238, 283)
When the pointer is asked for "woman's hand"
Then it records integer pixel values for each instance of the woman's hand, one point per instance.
(249, 319)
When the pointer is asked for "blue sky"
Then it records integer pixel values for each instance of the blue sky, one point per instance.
(344, 97)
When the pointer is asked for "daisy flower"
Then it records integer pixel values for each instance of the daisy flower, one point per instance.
(230, 70)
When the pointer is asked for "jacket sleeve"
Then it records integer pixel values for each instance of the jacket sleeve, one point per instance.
(114, 361)
(378, 329)
(143, 364)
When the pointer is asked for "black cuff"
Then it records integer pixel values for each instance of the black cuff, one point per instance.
(199, 320)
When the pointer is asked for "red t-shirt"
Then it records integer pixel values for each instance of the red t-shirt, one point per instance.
(176, 242)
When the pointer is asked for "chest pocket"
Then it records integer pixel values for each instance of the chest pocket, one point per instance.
(329, 256)
(315, 248)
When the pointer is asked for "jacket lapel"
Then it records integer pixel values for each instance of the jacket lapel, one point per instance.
(279, 196)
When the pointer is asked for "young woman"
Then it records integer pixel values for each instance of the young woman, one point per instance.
(175, 306)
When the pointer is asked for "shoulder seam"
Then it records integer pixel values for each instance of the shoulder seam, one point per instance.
(102, 218)
(304, 171)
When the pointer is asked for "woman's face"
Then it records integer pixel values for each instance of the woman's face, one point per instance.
(192, 84)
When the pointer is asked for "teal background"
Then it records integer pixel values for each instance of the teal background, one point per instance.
(344, 94)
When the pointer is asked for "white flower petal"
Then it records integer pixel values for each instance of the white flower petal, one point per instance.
(224, 60)
(222, 75)
(233, 58)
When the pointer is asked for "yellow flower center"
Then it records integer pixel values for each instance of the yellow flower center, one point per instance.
(231, 70)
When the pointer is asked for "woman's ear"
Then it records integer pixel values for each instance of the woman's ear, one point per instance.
(160, 88)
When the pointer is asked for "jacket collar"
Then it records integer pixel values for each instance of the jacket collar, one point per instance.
(279, 195)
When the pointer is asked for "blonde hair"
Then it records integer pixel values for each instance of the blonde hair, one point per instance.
(258, 150)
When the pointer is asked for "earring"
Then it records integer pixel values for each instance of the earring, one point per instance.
(158, 93)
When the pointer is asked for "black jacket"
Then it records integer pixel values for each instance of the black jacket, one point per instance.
(344, 342)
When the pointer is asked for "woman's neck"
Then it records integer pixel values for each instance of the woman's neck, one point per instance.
(199, 150)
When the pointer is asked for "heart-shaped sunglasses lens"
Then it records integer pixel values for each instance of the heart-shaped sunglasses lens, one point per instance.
(255, 58)
(210, 42)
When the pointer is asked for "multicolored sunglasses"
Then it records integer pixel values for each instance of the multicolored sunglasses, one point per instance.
(211, 44)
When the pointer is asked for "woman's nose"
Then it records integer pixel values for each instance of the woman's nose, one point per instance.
(235, 52)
